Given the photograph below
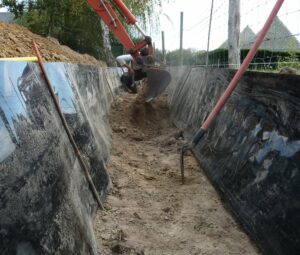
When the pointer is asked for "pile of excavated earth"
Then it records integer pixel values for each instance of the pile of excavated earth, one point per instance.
(16, 41)
(148, 210)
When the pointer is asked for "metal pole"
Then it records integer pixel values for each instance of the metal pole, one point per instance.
(232, 85)
(163, 47)
(181, 40)
(209, 30)
(234, 82)
(66, 127)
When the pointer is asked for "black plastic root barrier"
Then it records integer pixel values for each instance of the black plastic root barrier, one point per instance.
(252, 151)
(46, 206)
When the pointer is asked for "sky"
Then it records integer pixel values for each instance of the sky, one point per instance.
(196, 21)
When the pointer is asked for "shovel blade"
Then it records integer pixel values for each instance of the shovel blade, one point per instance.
(158, 81)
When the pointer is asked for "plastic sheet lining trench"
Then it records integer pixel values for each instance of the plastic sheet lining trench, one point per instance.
(252, 151)
(45, 202)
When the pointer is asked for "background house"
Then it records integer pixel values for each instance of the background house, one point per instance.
(279, 46)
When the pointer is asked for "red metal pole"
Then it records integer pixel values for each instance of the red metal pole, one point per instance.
(232, 85)
(234, 82)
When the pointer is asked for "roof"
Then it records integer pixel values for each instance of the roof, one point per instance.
(246, 36)
(278, 38)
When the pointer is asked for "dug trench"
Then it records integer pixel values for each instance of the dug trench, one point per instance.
(148, 210)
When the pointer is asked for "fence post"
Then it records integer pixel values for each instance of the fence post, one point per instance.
(234, 60)
(163, 47)
(209, 30)
(181, 40)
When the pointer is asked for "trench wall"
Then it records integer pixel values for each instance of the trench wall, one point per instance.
(46, 206)
(252, 151)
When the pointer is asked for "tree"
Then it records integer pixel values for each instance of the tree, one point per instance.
(189, 57)
(73, 22)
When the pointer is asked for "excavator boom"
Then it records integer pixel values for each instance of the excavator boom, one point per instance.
(158, 77)
(110, 18)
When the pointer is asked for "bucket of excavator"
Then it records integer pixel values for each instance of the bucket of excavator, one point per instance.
(158, 80)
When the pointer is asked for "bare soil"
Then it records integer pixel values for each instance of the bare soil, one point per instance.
(148, 210)
(16, 41)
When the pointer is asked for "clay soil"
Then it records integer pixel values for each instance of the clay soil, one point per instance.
(148, 210)
(16, 41)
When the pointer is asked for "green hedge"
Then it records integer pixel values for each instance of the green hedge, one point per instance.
(264, 59)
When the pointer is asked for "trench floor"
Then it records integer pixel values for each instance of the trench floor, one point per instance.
(148, 210)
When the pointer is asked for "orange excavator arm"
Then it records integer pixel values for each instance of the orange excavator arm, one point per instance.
(108, 15)
(158, 78)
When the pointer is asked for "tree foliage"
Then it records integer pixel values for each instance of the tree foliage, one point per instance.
(189, 57)
(72, 22)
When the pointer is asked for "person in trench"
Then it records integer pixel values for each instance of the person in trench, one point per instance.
(135, 73)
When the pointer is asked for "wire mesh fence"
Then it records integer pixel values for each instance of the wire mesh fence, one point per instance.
(280, 48)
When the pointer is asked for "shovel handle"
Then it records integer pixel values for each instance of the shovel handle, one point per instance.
(234, 82)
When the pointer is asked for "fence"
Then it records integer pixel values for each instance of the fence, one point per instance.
(281, 46)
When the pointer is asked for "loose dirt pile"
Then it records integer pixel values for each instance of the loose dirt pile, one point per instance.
(16, 41)
(148, 210)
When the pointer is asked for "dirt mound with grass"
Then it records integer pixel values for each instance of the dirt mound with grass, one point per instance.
(16, 41)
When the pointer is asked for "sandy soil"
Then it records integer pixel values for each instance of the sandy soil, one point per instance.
(16, 41)
(148, 210)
